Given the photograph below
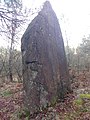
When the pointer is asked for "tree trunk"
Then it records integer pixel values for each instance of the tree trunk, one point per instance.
(10, 62)
(11, 50)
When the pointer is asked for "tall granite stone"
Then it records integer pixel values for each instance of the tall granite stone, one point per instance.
(45, 73)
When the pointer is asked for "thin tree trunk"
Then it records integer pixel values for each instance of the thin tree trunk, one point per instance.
(78, 63)
(11, 51)
(10, 63)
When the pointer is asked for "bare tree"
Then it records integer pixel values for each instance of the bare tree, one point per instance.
(11, 17)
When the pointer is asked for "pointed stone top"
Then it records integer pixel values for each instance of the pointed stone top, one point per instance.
(47, 9)
(47, 5)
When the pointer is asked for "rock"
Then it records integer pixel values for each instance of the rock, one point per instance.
(45, 73)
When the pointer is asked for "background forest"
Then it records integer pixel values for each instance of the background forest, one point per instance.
(78, 60)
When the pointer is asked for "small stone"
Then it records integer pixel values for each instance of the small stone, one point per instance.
(50, 109)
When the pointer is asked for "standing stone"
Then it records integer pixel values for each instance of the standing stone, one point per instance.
(45, 73)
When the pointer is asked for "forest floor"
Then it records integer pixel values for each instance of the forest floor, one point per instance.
(75, 107)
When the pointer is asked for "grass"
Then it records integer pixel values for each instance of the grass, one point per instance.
(7, 93)
(78, 101)
(81, 104)
(24, 113)
(85, 96)
(53, 101)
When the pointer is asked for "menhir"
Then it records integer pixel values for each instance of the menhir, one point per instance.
(45, 73)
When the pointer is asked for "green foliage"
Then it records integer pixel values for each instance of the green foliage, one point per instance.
(85, 96)
(81, 104)
(53, 101)
(78, 102)
(84, 110)
(24, 113)
(7, 93)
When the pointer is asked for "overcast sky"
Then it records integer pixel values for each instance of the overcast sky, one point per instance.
(73, 15)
